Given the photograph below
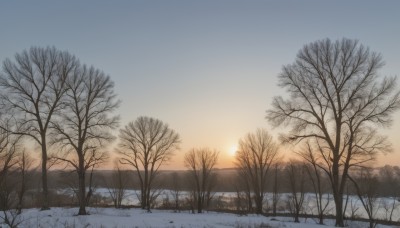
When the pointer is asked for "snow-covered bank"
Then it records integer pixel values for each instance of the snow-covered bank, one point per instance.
(382, 205)
(126, 218)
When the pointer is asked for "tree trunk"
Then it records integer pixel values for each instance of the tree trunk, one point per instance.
(296, 217)
(199, 204)
(337, 194)
(371, 223)
(45, 192)
(259, 205)
(339, 209)
(82, 193)
(144, 192)
(143, 197)
(321, 219)
(21, 192)
(148, 194)
(320, 208)
(81, 187)
(176, 203)
(249, 202)
(275, 191)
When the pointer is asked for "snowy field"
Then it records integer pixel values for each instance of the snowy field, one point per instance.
(132, 218)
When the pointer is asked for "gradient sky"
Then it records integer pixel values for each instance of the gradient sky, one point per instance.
(207, 68)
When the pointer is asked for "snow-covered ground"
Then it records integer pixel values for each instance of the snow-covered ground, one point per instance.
(132, 218)
(127, 218)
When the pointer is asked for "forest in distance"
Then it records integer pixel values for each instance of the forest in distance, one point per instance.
(336, 102)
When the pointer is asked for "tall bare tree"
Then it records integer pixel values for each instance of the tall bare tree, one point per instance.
(32, 87)
(146, 144)
(336, 99)
(201, 163)
(256, 154)
(83, 128)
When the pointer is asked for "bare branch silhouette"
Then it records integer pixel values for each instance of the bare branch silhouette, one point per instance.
(33, 85)
(200, 163)
(337, 99)
(146, 144)
(83, 127)
(256, 154)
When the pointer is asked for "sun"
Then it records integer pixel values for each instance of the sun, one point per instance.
(232, 150)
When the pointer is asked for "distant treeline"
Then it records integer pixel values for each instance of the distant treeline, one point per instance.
(387, 179)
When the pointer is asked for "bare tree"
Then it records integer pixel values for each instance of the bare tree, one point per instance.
(242, 187)
(32, 86)
(256, 154)
(83, 128)
(9, 147)
(117, 187)
(316, 176)
(389, 185)
(146, 144)
(176, 190)
(336, 99)
(296, 177)
(25, 172)
(366, 186)
(9, 151)
(275, 189)
(389, 207)
(201, 163)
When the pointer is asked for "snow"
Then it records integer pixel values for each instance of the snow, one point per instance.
(132, 218)
(127, 218)
(354, 206)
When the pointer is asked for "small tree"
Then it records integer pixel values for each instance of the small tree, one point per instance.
(25, 172)
(296, 177)
(9, 153)
(316, 176)
(243, 191)
(366, 185)
(275, 190)
(82, 129)
(254, 158)
(117, 187)
(200, 163)
(389, 185)
(146, 144)
(176, 190)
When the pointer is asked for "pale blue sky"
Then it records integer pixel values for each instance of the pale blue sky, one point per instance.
(207, 68)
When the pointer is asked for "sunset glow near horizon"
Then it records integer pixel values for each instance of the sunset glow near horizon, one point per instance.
(207, 68)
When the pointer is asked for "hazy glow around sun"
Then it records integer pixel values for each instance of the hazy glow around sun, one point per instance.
(232, 150)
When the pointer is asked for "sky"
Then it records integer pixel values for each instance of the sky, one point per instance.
(207, 68)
